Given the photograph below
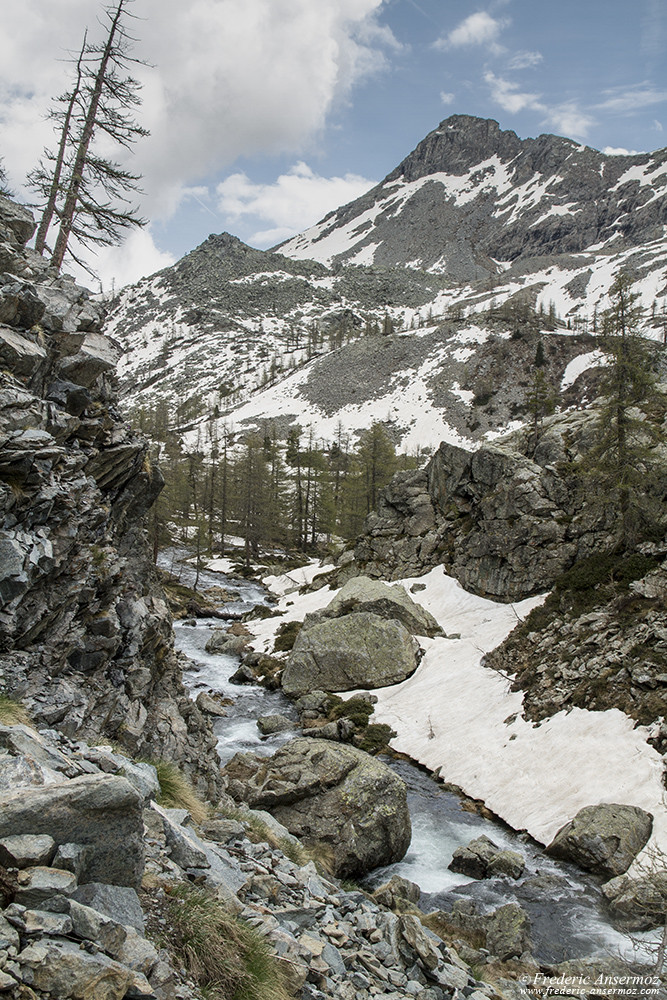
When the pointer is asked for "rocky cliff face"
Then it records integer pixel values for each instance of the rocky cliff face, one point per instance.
(84, 629)
(503, 520)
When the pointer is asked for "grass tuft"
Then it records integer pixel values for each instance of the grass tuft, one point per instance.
(227, 958)
(12, 713)
(176, 792)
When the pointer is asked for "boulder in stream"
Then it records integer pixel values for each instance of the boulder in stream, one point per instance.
(481, 858)
(638, 904)
(604, 839)
(346, 805)
(356, 651)
(389, 601)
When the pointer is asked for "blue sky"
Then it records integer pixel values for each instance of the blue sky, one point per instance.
(266, 114)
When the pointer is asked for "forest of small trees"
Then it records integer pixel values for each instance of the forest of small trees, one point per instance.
(295, 490)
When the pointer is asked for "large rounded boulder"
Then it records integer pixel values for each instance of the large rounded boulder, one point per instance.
(604, 839)
(356, 651)
(342, 803)
(390, 601)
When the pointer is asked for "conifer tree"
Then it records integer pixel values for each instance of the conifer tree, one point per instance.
(84, 192)
(620, 461)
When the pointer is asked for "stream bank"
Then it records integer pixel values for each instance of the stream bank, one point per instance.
(565, 907)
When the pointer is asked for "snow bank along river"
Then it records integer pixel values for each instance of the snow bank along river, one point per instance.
(458, 718)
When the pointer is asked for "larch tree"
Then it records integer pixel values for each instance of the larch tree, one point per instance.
(83, 193)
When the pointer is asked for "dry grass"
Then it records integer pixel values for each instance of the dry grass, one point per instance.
(12, 713)
(176, 792)
(228, 959)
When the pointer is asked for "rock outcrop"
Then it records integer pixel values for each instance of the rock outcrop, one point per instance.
(335, 798)
(503, 520)
(638, 904)
(604, 839)
(85, 633)
(362, 594)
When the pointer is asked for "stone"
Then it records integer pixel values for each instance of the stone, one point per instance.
(356, 651)
(62, 969)
(270, 724)
(184, 847)
(422, 941)
(637, 904)
(9, 937)
(481, 858)
(91, 925)
(362, 594)
(72, 858)
(136, 952)
(97, 354)
(23, 851)
(210, 704)
(119, 903)
(38, 884)
(223, 830)
(397, 891)
(22, 772)
(224, 643)
(508, 932)
(604, 839)
(43, 922)
(101, 812)
(334, 797)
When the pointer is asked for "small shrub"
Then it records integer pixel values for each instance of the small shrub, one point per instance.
(225, 956)
(12, 713)
(286, 636)
(176, 792)
(376, 737)
(358, 710)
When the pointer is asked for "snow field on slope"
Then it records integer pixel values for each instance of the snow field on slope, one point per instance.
(459, 717)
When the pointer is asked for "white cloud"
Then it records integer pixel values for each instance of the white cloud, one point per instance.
(476, 29)
(293, 202)
(632, 98)
(657, 126)
(525, 60)
(123, 265)
(446, 98)
(570, 120)
(229, 78)
(619, 151)
(509, 97)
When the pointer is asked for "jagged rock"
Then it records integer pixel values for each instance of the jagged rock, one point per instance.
(361, 594)
(62, 969)
(270, 724)
(24, 850)
(38, 884)
(223, 642)
(637, 904)
(102, 812)
(16, 222)
(335, 798)
(358, 650)
(397, 892)
(604, 839)
(508, 932)
(118, 902)
(481, 858)
(91, 925)
(210, 704)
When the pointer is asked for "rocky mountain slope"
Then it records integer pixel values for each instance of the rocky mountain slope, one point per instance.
(476, 236)
(85, 633)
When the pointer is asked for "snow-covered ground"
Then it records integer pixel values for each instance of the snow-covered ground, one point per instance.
(459, 717)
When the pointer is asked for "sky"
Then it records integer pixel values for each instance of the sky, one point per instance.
(264, 115)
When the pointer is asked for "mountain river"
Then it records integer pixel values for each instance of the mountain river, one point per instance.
(565, 907)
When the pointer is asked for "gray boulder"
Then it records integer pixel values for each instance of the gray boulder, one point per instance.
(337, 799)
(604, 839)
(24, 851)
(638, 904)
(270, 724)
(378, 598)
(222, 642)
(119, 903)
(481, 858)
(102, 812)
(62, 969)
(356, 651)
(508, 932)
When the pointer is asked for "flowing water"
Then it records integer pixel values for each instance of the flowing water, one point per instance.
(565, 907)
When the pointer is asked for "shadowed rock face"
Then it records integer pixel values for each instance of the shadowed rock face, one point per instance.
(85, 633)
(335, 798)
